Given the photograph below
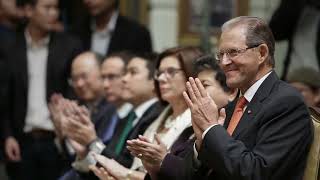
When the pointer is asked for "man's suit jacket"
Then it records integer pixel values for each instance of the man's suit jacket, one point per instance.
(62, 49)
(271, 141)
(127, 35)
(125, 158)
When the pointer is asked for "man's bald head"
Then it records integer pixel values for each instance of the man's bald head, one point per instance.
(85, 76)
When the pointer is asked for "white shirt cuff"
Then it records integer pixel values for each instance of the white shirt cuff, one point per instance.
(195, 152)
(82, 165)
(205, 132)
(196, 161)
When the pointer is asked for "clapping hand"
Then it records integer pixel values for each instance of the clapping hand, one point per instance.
(204, 110)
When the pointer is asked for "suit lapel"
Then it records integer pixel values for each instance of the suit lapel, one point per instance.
(53, 51)
(22, 61)
(248, 117)
(116, 38)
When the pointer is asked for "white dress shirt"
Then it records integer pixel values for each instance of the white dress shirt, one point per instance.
(38, 116)
(100, 39)
(141, 109)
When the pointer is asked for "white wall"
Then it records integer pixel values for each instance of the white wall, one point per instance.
(164, 23)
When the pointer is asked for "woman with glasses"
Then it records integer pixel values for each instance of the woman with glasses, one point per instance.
(174, 66)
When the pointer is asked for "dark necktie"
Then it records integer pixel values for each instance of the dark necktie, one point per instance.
(123, 137)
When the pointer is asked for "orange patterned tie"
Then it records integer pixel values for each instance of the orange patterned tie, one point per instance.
(237, 113)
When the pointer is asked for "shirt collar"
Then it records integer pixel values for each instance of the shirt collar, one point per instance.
(143, 107)
(41, 43)
(124, 110)
(253, 89)
(109, 27)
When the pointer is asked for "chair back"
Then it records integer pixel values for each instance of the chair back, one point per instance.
(313, 162)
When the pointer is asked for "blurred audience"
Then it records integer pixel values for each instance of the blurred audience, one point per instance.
(11, 16)
(298, 22)
(39, 61)
(173, 68)
(106, 31)
(214, 80)
(138, 90)
(112, 70)
(87, 84)
(307, 81)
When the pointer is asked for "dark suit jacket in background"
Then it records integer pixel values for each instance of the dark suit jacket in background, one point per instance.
(62, 49)
(128, 35)
(284, 23)
(271, 141)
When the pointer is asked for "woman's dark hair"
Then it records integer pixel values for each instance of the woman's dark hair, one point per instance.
(207, 62)
(150, 59)
(186, 57)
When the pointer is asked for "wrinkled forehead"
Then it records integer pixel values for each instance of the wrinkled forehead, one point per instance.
(234, 37)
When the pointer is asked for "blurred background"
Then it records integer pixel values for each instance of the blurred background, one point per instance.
(177, 22)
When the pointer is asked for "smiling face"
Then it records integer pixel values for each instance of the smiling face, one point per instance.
(243, 70)
(85, 77)
(172, 84)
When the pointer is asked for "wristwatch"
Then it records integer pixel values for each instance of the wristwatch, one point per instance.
(96, 146)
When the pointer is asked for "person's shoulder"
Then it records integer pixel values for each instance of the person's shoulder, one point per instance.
(158, 106)
(67, 39)
(130, 23)
(66, 36)
(284, 95)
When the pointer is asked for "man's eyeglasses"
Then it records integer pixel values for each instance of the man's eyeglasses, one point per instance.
(169, 73)
(232, 53)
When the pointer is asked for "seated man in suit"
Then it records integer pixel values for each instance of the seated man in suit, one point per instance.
(40, 64)
(112, 70)
(105, 31)
(87, 85)
(267, 132)
(138, 90)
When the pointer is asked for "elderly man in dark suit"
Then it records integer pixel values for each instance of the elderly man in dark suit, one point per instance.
(39, 63)
(106, 31)
(267, 132)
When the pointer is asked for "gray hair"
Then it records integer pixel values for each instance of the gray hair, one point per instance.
(257, 32)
